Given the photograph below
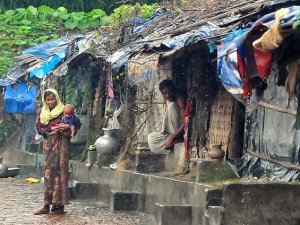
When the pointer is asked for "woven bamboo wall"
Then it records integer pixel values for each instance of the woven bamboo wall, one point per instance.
(221, 120)
(145, 86)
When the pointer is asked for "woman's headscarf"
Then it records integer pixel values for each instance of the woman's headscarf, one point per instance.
(47, 115)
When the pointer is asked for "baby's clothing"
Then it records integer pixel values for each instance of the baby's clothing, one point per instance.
(72, 121)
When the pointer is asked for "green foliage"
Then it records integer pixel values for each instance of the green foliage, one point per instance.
(121, 14)
(26, 27)
(124, 13)
(71, 5)
(23, 28)
(148, 10)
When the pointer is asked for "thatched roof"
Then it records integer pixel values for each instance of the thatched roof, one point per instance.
(165, 32)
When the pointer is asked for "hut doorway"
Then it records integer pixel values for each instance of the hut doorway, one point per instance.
(217, 117)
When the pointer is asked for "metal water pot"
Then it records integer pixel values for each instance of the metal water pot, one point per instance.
(3, 169)
(110, 142)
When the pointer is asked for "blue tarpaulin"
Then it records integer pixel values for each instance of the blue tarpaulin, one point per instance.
(144, 22)
(51, 53)
(19, 99)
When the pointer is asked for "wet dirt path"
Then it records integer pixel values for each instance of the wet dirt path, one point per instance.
(18, 200)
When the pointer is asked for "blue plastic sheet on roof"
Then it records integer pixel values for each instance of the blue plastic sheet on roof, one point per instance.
(49, 64)
(146, 21)
(120, 58)
(206, 31)
(183, 40)
(52, 52)
(293, 10)
(177, 42)
(45, 50)
(19, 99)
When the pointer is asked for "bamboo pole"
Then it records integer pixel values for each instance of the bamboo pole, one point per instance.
(283, 164)
(277, 108)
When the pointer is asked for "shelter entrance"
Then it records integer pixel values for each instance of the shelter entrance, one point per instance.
(217, 118)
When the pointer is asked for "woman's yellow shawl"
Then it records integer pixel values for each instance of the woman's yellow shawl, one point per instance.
(47, 115)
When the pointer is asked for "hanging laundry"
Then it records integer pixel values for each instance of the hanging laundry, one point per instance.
(285, 55)
(292, 79)
(251, 62)
(263, 61)
(273, 37)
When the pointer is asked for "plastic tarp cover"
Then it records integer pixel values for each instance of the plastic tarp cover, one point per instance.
(228, 73)
(146, 21)
(272, 134)
(52, 52)
(227, 66)
(19, 99)
(121, 57)
(48, 65)
(47, 49)
(251, 166)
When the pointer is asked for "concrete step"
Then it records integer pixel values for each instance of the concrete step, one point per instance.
(213, 170)
(171, 161)
(178, 214)
(148, 162)
(214, 215)
(126, 201)
(155, 188)
(175, 160)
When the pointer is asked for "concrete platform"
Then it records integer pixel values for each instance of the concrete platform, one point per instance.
(156, 189)
(197, 203)
(213, 170)
(261, 203)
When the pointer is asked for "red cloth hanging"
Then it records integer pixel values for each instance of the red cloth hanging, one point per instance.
(187, 117)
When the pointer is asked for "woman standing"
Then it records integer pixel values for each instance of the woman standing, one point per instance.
(56, 153)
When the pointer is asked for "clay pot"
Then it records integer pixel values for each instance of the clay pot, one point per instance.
(216, 152)
(3, 169)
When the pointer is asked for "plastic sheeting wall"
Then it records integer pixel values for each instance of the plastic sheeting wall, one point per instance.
(272, 133)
